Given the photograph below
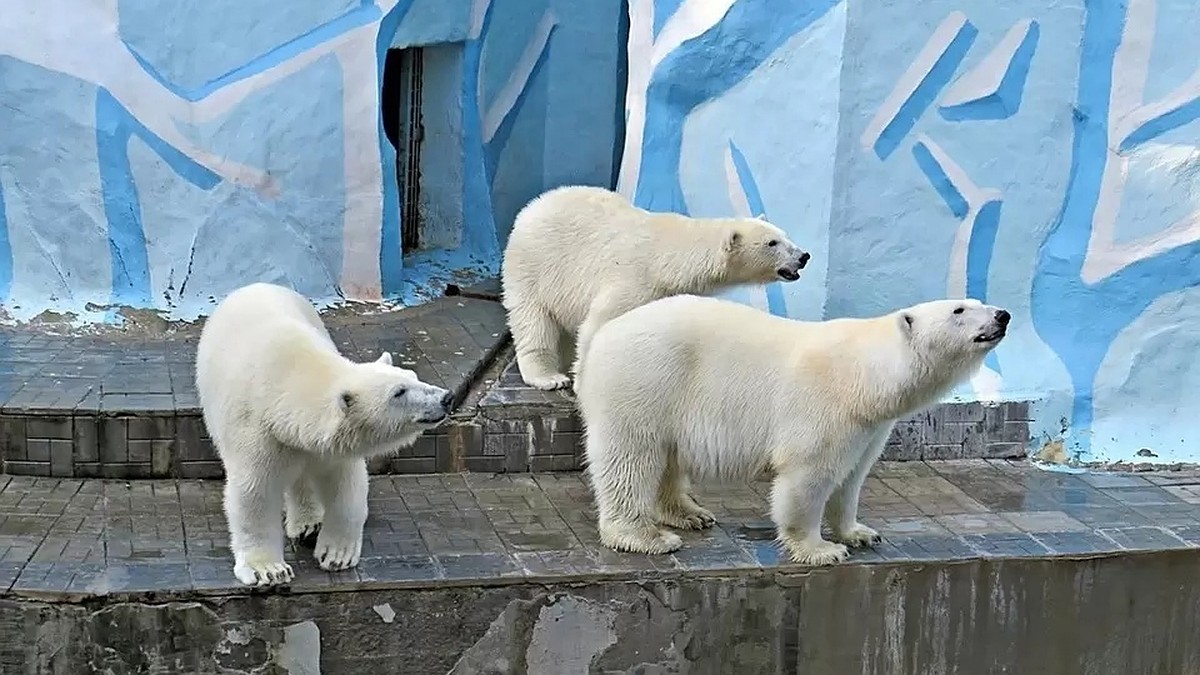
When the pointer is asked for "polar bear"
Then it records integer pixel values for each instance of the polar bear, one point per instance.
(579, 256)
(293, 421)
(692, 387)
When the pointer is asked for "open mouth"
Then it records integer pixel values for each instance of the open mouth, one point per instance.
(990, 337)
(786, 274)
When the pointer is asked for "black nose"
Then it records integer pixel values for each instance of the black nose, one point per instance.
(448, 401)
(1002, 317)
(804, 258)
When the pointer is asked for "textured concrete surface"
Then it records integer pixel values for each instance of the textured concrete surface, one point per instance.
(986, 567)
(124, 405)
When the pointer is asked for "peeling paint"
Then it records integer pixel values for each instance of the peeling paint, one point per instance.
(569, 635)
(385, 612)
(300, 651)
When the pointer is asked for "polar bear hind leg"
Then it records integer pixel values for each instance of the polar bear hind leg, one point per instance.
(627, 471)
(342, 487)
(676, 507)
(303, 511)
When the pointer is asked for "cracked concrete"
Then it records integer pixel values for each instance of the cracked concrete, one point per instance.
(977, 616)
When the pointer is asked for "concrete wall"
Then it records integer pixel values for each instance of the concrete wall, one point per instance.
(1040, 156)
(979, 617)
(159, 154)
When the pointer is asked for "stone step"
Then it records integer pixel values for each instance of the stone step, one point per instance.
(124, 405)
(985, 565)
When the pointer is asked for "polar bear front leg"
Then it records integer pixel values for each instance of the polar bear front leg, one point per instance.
(536, 340)
(342, 487)
(253, 503)
(841, 512)
(303, 511)
(798, 497)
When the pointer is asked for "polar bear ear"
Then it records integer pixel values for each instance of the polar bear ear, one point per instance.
(733, 241)
(345, 400)
(385, 358)
(905, 322)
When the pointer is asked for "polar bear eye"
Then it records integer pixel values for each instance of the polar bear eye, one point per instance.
(958, 310)
(773, 242)
(400, 393)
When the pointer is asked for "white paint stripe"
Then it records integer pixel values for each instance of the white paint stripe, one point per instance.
(518, 79)
(984, 79)
(937, 44)
(363, 216)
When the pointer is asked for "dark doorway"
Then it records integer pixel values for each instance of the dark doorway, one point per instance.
(400, 100)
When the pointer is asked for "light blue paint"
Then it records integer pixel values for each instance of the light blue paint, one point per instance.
(932, 169)
(794, 164)
(663, 10)
(364, 13)
(391, 254)
(701, 70)
(1152, 129)
(494, 148)
(1064, 307)
(478, 219)
(6, 260)
(126, 236)
(775, 301)
(434, 22)
(1006, 100)
(926, 92)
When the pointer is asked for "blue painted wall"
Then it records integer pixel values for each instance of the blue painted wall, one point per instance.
(1040, 156)
(160, 154)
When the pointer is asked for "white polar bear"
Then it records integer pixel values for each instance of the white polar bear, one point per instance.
(293, 421)
(579, 256)
(691, 387)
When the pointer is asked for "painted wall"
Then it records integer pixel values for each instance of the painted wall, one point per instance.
(160, 154)
(1040, 156)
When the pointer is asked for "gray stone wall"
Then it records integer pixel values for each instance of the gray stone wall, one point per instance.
(1134, 613)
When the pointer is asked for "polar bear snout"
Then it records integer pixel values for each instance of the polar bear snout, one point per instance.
(791, 270)
(996, 329)
(439, 407)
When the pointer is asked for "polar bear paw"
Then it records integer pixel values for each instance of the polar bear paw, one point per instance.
(303, 527)
(334, 554)
(263, 572)
(640, 539)
(549, 381)
(685, 516)
(816, 553)
(858, 536)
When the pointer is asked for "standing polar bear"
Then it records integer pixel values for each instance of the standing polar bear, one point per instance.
(293, 421)
(579, 256)
(698, 387)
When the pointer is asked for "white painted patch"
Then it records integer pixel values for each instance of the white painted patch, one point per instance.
(385, 612)
(300, 651)
(920, 68)
(569, 635)
(984, 79)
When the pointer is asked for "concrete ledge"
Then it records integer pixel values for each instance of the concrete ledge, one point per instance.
(979, 616)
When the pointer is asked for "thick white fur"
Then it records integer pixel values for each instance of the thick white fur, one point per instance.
(579, 256)
(690, 387)
(293, 421)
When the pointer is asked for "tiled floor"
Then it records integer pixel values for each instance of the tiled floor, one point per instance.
(168, 537)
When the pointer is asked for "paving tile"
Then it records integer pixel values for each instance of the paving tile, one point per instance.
(1144, 538)
(977, 523)
(1044, 521)
(1005, 545)
(1086, 541)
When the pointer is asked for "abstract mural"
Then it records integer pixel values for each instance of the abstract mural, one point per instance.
(1040, 157)
(159, 154)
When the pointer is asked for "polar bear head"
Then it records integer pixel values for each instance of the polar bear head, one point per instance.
(381, 402)
(759, 252)
(953, 331)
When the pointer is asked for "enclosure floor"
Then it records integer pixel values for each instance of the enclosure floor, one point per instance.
(71, 538)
